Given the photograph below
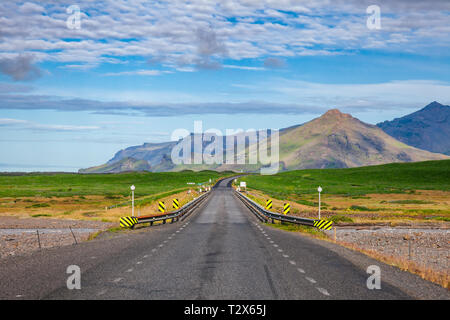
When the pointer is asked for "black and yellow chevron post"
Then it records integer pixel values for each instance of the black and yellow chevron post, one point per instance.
(268, 204)
(286, 208)
(323, 224)
(176, 204)
(128, 222)
(161, 206)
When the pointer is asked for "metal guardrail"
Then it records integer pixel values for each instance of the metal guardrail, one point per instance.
(266, 215)
(174, 215)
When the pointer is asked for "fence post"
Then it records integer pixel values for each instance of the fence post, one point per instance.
(39, 240)
(73, 235)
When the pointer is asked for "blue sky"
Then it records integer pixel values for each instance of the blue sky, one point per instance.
(137, 70)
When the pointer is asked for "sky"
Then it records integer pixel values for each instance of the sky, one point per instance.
(82, 79)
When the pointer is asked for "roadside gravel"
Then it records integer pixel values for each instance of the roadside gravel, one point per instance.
(425, 247)
(23, 236)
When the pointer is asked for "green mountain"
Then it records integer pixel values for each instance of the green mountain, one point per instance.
(338, 140)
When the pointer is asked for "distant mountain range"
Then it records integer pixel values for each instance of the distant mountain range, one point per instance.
(334, 140)
(428, 128)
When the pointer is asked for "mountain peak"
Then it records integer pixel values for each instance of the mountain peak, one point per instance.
(426, 129)
(434, 104)
(335, 113)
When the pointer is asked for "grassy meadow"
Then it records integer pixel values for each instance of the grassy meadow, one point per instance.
(103, 197)
(398, 191)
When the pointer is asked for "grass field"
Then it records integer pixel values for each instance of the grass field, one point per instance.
(400, 191)
(103, 197)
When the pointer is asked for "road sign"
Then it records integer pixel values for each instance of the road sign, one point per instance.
(161, 206)
(128, 222)
(176, 204)
(286, 208)
(243, 184)
(268, 204)
(323, 224)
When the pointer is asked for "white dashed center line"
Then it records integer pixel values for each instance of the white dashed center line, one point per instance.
(323, 291)
(117, 280)
(292, 262)
(285, 256)
(310, 279)
(129, 270)
(300, 270)
(139, 262)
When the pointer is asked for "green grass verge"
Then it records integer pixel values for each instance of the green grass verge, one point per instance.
(109, 185)
(340, 218)
(353, 182)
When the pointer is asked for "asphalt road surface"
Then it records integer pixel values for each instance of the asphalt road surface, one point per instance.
(221, 251)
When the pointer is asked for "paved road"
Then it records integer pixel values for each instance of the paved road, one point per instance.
(220, 252)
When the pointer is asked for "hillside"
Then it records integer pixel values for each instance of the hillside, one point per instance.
(338, 140)
(126, 164)
(427, 129)
(403, 177)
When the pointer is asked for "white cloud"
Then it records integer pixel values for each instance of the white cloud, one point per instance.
(25, 124)
(139, 73)
(186, 34)
(263, 97)
(244, 67)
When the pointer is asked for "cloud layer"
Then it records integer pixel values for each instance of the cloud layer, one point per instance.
(199, 34)
(315, 98)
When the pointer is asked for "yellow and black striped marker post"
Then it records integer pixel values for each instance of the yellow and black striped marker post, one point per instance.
(268, 204)
(323, 224)
(128, 222)
(161, 206)
(286, 208)
(176, 204)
